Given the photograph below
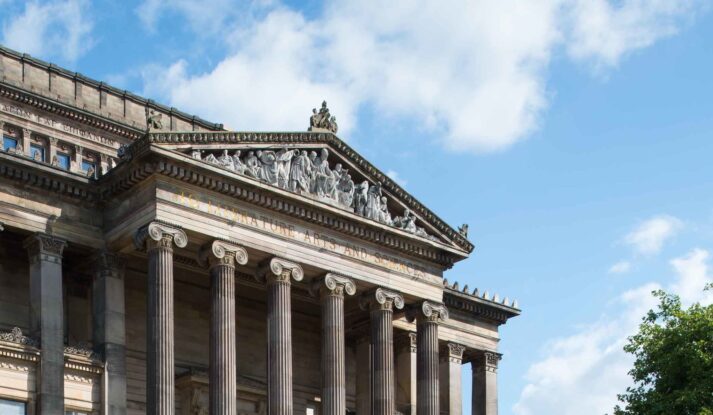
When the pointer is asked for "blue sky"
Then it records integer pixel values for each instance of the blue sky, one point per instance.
(573, 136)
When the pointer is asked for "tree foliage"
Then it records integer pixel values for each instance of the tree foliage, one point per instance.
(673, 368)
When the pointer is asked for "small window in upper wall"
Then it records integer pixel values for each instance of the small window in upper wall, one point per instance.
(37, 153)
(8, 143)
(63, 161)
(8, 407)
(89, 166)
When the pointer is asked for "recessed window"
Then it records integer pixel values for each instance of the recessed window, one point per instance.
(63, 161)
(88, 166)
(8, 143)
(37, 153)
(8, 407)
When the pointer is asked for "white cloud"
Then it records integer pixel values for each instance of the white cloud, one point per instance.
(472, 72)
(620, 267)
(204, 17)
(51, 29)
(649, 237)
(583, 373)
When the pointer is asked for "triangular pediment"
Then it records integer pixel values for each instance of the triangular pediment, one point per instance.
(319, 166)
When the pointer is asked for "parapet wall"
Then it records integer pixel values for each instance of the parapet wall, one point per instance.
(74, 89)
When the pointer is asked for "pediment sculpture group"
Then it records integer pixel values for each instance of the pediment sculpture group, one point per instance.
(309, 173)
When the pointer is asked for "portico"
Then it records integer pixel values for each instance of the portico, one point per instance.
(211, 271)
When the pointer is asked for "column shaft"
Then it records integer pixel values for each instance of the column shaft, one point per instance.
(160, 336)
(223, 364)
(427, 367)
(450, 379)
(363, 386)
(279, 361)
(406, 373)
(46, 318)
(485, 386)
(109, 327)
(334, 390)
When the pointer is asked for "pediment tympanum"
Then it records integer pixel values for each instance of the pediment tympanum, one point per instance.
(317, 165)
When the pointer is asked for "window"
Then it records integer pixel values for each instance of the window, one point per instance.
(8, 143)
(11, 407)
(37, 152)
(88, 166)
(63, 161)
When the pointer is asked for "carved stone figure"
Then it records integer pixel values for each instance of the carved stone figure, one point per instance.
(284, 161)
(385, 215)
(322, 174)
(373, 202)
(196, 154)
(225, 161)
(346, 189)
(322, 119)
(238, 165)
(252, 165)
(463, 230)
(153, 120)
(268, 166)
(300, 173)
(406, 222)
(360, 198)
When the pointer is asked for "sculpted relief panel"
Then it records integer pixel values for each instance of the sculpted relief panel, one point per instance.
(310, 174)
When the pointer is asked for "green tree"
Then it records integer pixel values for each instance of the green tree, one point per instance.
(673, 370)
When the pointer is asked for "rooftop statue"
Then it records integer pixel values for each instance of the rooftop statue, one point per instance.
(323, 119)
(153, 120)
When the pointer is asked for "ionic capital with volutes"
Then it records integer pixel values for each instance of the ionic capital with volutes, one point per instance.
(381, 299)
(279, 270)
(159, 235)
(333, 285)
(219, 252)
(428, 311)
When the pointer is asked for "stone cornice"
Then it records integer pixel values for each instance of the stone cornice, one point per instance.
(296, 138)
(478, 307)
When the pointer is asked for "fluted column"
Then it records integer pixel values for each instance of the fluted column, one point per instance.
(381, 303)
(485, 383)
(406, 373)
(46, 318)
(427, 314)
(221, 257)
(450, 378)
(332, 289)
(109, 326)
(278, 274)
(158, 239)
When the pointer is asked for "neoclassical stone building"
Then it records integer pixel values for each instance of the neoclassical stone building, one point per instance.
(153, 262)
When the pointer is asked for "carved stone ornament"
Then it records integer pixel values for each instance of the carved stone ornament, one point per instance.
(279, 270)
(16, 336)
(222, 253)
(486, 361)
(333, 284)
(429, 312)
(463, 230)
(309, 173)
(45, 245)
(80, 349)
(382, 299)
(323, 120)
(153, 120)
(453, 352)
(161, 234)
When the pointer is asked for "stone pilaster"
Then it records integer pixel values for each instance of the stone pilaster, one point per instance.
(428, 315)
(332, 289)
(406, 373)
(221, 258)
(363, 377)
(450, 378)
(46, 318)
(485, 383)
(278, 274)
(381, 303)
(109, 326)
(158, 240)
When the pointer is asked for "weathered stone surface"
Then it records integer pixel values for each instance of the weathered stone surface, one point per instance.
(485, 383)
(428, 315)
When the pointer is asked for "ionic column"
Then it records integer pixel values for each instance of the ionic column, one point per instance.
(381, 303)
(221, 257)
(109, 326)
(46, 318)
(332, 289)
(363, 377)
(450, 378)
(406, 373)
(278, 273)
(428, 315)
(485, 383)
(158, 240)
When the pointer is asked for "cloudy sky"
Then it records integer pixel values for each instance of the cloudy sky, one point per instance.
(573, 136)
